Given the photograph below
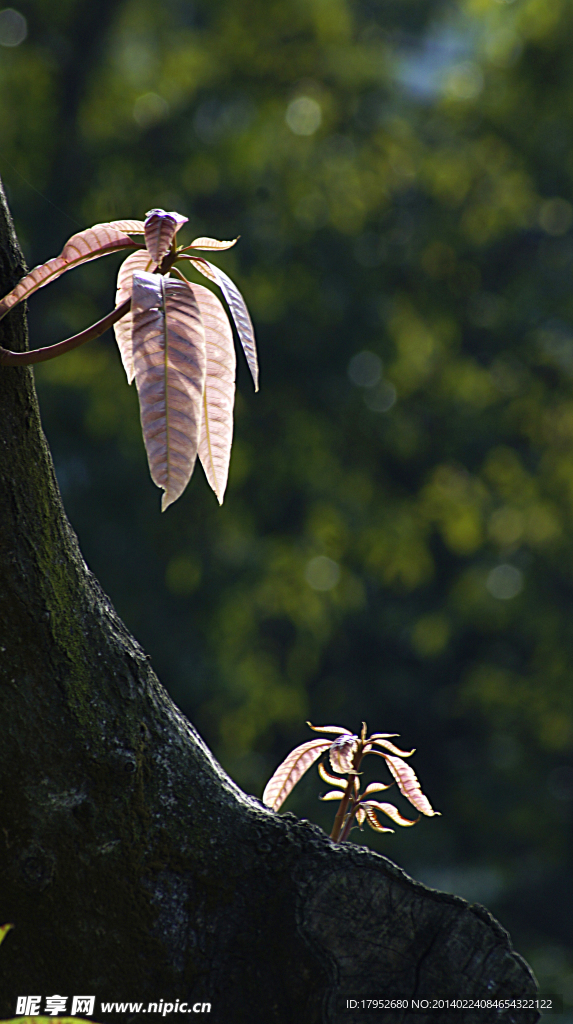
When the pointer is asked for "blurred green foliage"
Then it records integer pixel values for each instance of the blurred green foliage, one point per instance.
(396, 543)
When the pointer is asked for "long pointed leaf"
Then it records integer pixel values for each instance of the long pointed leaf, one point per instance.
(291, 770)
(216, 435)
(210, 243)
(169, 360)
(408, 783)
(330, 728)
(137, 262)
(373, 821)
(131, 227)
(80, 248)
(160, 229)
(239, 312)
(389, 810)
(386, 745)
(377, 787)
(333, 780)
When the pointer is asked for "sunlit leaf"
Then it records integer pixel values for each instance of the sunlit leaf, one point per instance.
(377, 787)
(408, 783)
(333, 780)
(135, 263)
(335, 794)
(373, 820)
(216, 435)
(360, 815)
(4, 929)
(389, 810)
(390, 746)
(291, 770)
(131, 227)
(210, 243)
(383, 736)
(336, 729)
(239, 312)
(342, 752)
(170, 362)
(80, 248)
(160, 229)
(94, 242)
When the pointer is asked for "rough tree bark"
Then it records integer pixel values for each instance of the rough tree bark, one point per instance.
(130, 865)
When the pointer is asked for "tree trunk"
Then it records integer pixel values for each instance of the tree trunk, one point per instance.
(131, 867)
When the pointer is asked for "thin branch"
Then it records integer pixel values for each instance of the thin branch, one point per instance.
(40, 355)
(341, 812)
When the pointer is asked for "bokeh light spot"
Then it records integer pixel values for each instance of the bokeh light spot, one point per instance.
(13, 27)
(322, 573)
(303, 115)
(505, 582)
(365, 369)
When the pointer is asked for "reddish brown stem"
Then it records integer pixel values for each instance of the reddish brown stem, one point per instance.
(340, 828)
(40, 355)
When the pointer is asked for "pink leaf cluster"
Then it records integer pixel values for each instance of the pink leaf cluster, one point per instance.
(175, 341)
(345, 754)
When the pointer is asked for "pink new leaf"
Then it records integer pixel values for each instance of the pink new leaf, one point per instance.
(408, 784)
(373, 820)
(333, 780)
(377, 787)
(342, 752)
(239, 312)
(137, 262)
(335, 794)
(210, 243)
(389, 810)
(170, 362)
(291, 770)
(160, 229)
(216, 435)
(80, 248)
(336, 729)
(386, 745)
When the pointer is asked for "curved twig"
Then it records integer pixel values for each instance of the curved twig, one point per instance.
(40, 355)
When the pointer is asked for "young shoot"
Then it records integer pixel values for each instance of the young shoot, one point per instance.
(174, 339)
(345, 754)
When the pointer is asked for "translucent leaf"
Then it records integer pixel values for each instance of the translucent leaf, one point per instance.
(408, 784)
(335, 794)
(210, 243)
(170, 362)
(131, 227)
(342, 752)
(393, 750)
(216, 435)
(330, 728)
(389, 810)
(4, 929)
(80, 248)
(373, 820)
(333, 780)
(239, 312)
(377, 787)
(383, 736)
(160, 229)
(137, 262)
(291, 770)
(360, 815)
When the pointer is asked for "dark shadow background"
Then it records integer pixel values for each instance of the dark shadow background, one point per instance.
(396, 543)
